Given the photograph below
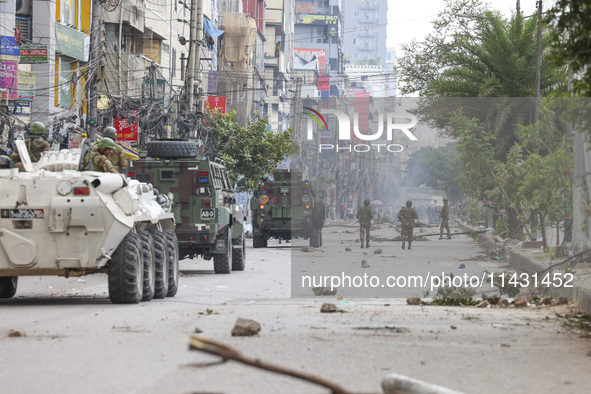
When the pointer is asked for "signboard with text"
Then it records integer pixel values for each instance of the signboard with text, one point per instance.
(216, 102)
(9, 79)
(320, 54)
(33, 53)
(317, 19)
(127, 129)
(26, 85)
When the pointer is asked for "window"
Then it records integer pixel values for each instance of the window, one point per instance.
(165, 48)
(356, 14)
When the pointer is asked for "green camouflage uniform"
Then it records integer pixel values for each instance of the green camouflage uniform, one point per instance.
(101, 163)
(35, 145)
(444, 215)
(407, 218)
(119, 159)
(364, 214)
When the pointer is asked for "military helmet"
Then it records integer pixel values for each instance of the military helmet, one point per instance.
(110, 132)
(105, 143)
(366, 203)
(4, 161)
(409, 203)
(37, 128)
(445, 200)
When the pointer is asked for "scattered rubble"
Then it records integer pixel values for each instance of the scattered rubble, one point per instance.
(520, 302)
(16, 334)
(413, 301)
(377, 251)
(347, 249)
(324, 291)
(328, 308)
(307, 249)
(245, 328)
(364, 264)
(483, 304)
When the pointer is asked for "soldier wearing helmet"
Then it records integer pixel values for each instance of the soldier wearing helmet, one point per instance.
(36, 144)
(101, 158)
(119, 158)
(407, 217)
(444, 215)
(364, 214)
(4, 161)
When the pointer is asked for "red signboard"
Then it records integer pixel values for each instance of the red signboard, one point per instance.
(216, 102)
(126, 130)
(320, 54)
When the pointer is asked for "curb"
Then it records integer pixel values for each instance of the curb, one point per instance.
(580, 292)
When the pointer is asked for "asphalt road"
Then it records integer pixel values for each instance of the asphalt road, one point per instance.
(75, 341)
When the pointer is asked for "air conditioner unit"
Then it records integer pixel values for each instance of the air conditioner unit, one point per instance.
(23, 7)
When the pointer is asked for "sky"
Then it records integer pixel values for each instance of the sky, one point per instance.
(408, 19)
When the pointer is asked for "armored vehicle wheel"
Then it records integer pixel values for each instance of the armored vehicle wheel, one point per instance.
(172, 247)
(318, 215)
(161, 264)
(148, 256)
(315, 238)
(239, 253)
(259, 242)
(172, 149)
(221, 262)
(8, 286)
(126, 272)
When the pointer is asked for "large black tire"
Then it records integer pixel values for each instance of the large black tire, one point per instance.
(221, 262)
(161, 264)
(315, 238)
(172, 247)
(259, 242)
(8, 286)
(239, 253)
(171, 149)
(318, 215)
(126, 271)
(148, 257)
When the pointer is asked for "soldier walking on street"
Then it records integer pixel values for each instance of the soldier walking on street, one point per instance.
(407, 216)
(364, 214)
(36, 144)
(444, 215)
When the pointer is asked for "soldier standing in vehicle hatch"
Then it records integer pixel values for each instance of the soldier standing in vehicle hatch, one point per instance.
(407, 217)
(101, 159)
(364, 214)
(36, 144)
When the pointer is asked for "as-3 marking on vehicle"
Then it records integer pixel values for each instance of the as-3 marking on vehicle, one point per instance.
(207, 214)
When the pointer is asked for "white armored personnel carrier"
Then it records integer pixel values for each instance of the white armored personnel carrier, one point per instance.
(57, 220)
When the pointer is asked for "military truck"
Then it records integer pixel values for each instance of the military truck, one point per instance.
(209, 221)
(57, 220)
(286, 207)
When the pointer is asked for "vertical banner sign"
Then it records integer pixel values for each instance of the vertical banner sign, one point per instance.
(9, 79)
(26, 85)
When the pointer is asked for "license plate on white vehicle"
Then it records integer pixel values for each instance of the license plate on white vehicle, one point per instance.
(207, 213)
(22, 214)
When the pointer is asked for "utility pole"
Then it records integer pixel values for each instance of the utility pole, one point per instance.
(93, 61)
(538, 61)
(196, 36)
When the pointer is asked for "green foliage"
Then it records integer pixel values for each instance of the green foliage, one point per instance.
(252, 150)
(501, 227)
(570, 40)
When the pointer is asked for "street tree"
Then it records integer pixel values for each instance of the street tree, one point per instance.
(252, 150)
(570, 40)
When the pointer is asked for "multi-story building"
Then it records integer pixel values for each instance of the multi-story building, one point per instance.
(45, 74)
(279, 47)
(318, 32)
(365, 35)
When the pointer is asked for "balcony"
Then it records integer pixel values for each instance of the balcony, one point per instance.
(369, 32)
(368, 20)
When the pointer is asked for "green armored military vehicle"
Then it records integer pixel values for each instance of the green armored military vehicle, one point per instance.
(286, 207)
(209, 222)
